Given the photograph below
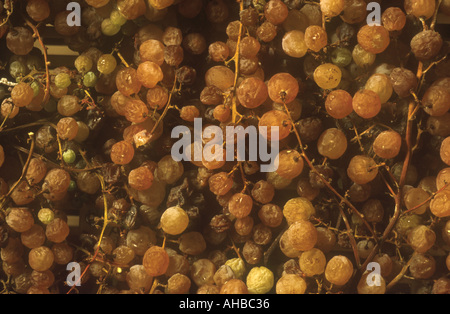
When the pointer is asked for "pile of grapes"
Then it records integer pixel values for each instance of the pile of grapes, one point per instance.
(92, 200)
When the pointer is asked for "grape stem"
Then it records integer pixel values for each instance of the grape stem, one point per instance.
(44, 51)
(328, 185)
(24, 170)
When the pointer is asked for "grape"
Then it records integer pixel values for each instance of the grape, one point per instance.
(364, 288)
(131, 9)
(223, 274)
(109, 28)
(40, 258)
(436, 101)
(421, 238)
(302, 235)
(249, 47)
(89, 79)
(366, 103)
(332, 8)
(291, 284)
(149, 74)
(127, 82)
(88, 182)
(20, 219)
(106, 64)
(316, 38)
(339, 104)
(362, 169)
(387, 144)
(68, 105)
(141, 239)
(362, 57)
(252, 92)
(169, 170)
(220, 77)
(266, 32)
(8, 109)
(174, 220)
(439, 205)
(20, 41)
(275, 11)
(312, 262)
(192, 243)
(117, 18)
(380, 84)
(220, 183)
(46, 215)
(263, 192)
(138, 280)
(67, 128)
(298, 209)
(426, 44)
(290, 164)
(373, 210)
(373, 38)
(332, 143)
(57, 230)
(420, 8)
(294, 44)
(339, 270)
(202, 272)
(123, 255)
(240, 205)
(422, 266)
(393, 19)
(122, 153)
(355, 11)
(403, 81)
(217, 11)
(140, 178)
(283, 88)
(244, 226)
(270, 215)
(69, 156)
(445, 151)
(38, 10)
(22, 94)
(341, 57)
(327, 76)
(276, 118)
(155, 261)
(234, 286)
(260, 280)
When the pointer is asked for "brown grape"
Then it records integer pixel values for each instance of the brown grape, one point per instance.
(332, 8)
(290, 164)
(426, 44)
(316, 38)
(155, 261)
(366, 103)
(339, 270)
(362, 169)
(436, 101)
(327, 76)
(373, 38)
(276, 118)
(283, 88)
(302, 235)
(339, 104)
(252, 92)
(387, 144)
(393, 19)
(275, 11)
(294, 44)
(420, 8)
(22, 95)
(332, 143)
(122, 153)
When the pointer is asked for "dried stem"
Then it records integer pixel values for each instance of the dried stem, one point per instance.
(46, 62)
(24, 170)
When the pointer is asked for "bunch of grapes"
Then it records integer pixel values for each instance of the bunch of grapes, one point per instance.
(88, 177)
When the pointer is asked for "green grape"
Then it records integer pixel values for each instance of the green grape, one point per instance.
(83, 63)
(62, 80)
(18, 69)
(72, 186)
(109, 28)
(46, 215)
(106, 64)
(35, 87)
(117, 18)
(69, 156)
(341, 57)
(89, 79)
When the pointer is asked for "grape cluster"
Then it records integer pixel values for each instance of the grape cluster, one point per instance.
(87, 174)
